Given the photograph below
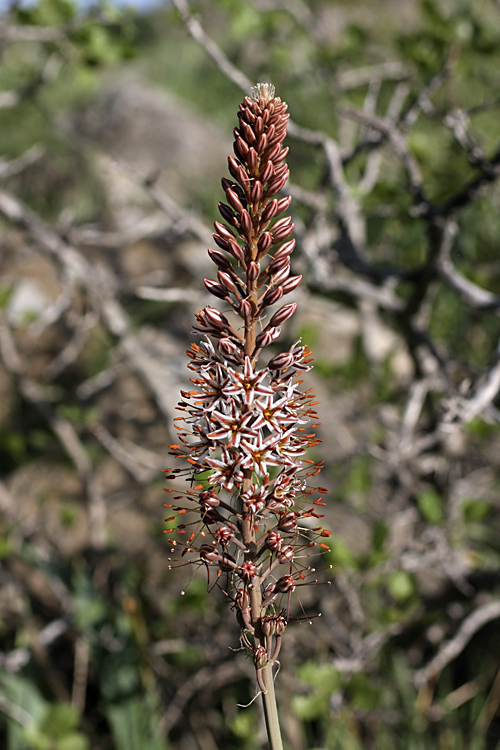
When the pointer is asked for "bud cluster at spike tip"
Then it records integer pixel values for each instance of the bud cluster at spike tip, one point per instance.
(243, 433)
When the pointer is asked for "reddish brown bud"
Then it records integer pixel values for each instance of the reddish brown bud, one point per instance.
(246, 223)
(261, 144)
(274, 541)
(281, 361)
(280, 276)
(267, 172)
(258, 127)
(245, 309)
(270, 211)
(283, 154)
(282, 231)
(267, 337)
(283, 204)
(276, 185)
(252, 159)
(285, 249)
(247, 133)
(234, 200)
(216, 289)
(280, 171)
(223, 231)
(228, 348)
(278, 264)
(236, 251)
(288, 522)
(291, 284)
(227, 282)
(221, 242)
(242, 177)
(264, 243)
(271, 132)
(286, 554)
(210, 499)
(232, 165)
(240, 147)
(257, 192)
(272, 296)
(285, 584)
(227, 213)
(252, 271)
(215, 317)
(273, 152)
(283, 314)
(219, 259)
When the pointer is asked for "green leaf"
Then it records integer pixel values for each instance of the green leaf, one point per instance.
(380, 534)
(430, 506)
(475, 509)
(401, 585)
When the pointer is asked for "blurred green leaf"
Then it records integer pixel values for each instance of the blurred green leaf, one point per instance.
(431, 506)
(401, 585)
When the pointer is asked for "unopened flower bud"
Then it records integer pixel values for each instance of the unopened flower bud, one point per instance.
(260, 657)
(285, 584)
(276, 185)
(219, 259)
(252, 160)
(264, 243)
(240, 147)
(270, 211)
(234, 200)
(215, 317)
(272, 296)
(252, 271)
(259, 126)
(224, 535)
(281, 361)
(288, 522)
(266, 173)
(282, 229)
(245, 309)
(267, 337)
(285, 249)
(291, 284)
(256, 192)
(286, 554)
(227, 283)
(227, 213)
(245, 222)
(216, 289)
(283, 314)
(274, 541)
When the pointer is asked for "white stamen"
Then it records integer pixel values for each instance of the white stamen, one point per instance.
(263, 91)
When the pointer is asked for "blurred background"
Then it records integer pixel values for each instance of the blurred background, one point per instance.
(115, 126)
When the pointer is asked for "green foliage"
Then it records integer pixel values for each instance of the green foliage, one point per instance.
(136, 724)
(430, 506)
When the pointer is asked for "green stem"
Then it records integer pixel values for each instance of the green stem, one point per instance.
(271, 709)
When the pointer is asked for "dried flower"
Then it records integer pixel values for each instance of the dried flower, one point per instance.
(243, 429)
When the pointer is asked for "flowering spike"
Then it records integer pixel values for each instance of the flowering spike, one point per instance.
(243, 434)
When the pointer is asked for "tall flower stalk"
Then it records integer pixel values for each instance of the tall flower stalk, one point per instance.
(244, 430)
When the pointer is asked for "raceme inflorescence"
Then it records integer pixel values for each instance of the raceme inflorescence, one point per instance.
(244, 429)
